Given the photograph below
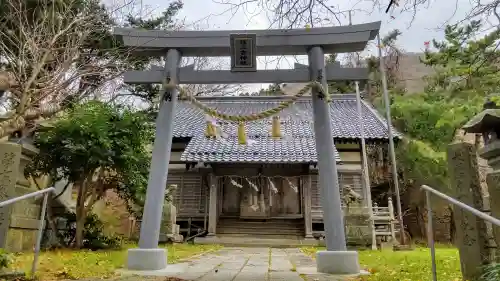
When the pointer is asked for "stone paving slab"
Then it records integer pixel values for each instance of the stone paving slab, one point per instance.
(281, 265)
(233, 265)
(284, 276)
(220, 275)
(248, 264)
(251, 276)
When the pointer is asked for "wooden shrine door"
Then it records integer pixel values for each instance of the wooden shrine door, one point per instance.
(254, 202)
(270, 198)
(261, 198)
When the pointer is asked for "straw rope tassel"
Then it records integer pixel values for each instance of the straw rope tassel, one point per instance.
(276, 129)
(210, 132)
(242, 136)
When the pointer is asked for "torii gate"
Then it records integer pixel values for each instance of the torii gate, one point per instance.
(243, 46)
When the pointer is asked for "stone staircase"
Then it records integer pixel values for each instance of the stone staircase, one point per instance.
(261, 228)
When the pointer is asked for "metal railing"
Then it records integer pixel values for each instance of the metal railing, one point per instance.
(430, 230)
(45, 193)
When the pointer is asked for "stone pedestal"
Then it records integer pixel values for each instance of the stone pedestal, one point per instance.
(166, 223)
(491, 152)
(176, 237)
(169, 231)
(338, 262)
(493, 180)
(146, 259)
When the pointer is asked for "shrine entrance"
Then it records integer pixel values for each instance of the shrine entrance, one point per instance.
(261, 198)
(244, 46)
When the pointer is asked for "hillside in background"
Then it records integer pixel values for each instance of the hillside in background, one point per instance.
(411, 75)
(412, 72)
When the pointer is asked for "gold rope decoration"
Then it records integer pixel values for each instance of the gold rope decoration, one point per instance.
(276, 127)
(210, 132)
(242, 136)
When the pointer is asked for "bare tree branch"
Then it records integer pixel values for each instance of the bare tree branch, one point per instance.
(52, 56)
(293, 13)
(298, 13)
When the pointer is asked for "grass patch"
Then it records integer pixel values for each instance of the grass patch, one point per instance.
(76, 264)
(406, 265)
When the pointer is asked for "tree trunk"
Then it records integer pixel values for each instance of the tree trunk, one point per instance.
(80, 213)
(80, 224)
(52, 224)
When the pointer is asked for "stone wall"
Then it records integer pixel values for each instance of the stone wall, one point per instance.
(18, 222)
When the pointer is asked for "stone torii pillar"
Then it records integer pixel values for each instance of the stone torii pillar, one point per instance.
(244, 46)
(148, 256)
(336, 259)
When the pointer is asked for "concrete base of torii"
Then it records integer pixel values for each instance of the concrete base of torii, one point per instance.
(146, 259)
(338, 262)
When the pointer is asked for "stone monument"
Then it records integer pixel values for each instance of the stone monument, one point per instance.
(169, 230)
(487, 123)
(10, 158)
(471, 231)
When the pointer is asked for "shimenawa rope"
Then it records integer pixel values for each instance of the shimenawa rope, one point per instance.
(240, 119)
(253, 117)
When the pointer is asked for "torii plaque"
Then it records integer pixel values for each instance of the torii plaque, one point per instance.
(314, 42)
(243, 57)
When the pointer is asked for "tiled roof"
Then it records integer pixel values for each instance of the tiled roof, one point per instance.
(262, 149)
(297, 145)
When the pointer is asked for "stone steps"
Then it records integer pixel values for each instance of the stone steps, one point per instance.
(257, 241)
(262, 226)
(262, 235)
(253, 232)
(268, 228)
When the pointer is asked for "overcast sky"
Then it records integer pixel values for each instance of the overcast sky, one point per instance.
(207, 13)
(427, 24)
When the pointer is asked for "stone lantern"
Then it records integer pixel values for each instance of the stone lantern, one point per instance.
(487, 123)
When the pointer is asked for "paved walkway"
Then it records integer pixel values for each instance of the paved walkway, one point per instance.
(250, 264)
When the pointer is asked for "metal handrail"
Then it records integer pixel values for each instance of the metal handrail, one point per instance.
(430, 231)
(45, 193)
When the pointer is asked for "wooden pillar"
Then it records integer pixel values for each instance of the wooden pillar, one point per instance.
(392, 219)
(212, 209)
(306, 190)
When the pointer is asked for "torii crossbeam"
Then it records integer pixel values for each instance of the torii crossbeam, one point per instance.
(243, 47)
